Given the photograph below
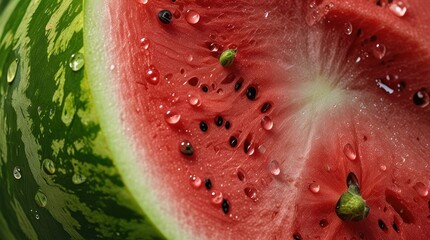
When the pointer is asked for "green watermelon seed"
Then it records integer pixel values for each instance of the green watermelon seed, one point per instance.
(11, 72)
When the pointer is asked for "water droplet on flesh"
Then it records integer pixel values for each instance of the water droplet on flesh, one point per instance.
(17, 172)
(398, 8)
(313, 187)
(76, 61)
(379, 51)
(144, 42)
(216, 197)
(213, 47)
(349, 152)
(172, 117)
(274, 168)
(195, 181)
(348, 28)
(142, 1)
(250, 148)
(262, 149)
(152, 75)
(11, 71)
(41, 199)
(421, 189)
(193, 100)
(78, 178)
(383, 167)
(267, 123)
(48, 166)
(251, 193)
(192, 17)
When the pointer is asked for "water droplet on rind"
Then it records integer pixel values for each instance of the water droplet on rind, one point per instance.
(17, 173)
(41, 199)
(76, 61)
(48, 166)
(78, 178)
(12, 70)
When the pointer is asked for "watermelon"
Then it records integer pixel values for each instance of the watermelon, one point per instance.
(155, 119)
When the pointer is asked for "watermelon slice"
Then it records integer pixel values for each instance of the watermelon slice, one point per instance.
(215, 119)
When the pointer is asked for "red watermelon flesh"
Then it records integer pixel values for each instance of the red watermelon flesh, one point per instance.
(340, 88)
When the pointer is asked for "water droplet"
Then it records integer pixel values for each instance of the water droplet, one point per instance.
(267, 123)
(186, 148)
(195, 181)
(274, 168)
(398, 8)
(379, 51)
(11, 71)
(192, 17)
(152, 75)
(349, 152)
(17, 172)
(216, 197)
(41, 199)
(76, 61)
(421, 189)
(48, 166)
(262, 149)
(172, 117)
(78, 178)
(421, 98)
(241, 175)
(383, 167)
(266, 14)
(193, 100)
(213, 47)
(189, 58)
(313, 187)
(37, 216)
(249, 148)
(251, 192)
(144, 42)
(142, 1)
(348, 28)
(323, 223)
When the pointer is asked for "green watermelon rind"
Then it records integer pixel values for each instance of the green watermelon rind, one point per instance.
(48, 112)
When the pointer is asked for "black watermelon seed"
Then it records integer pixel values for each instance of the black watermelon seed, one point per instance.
(266, 107)
(219, 121)
(225, 206)
(233, 141)
(173, 0)
(359, 32)
(237, 86)
(186, 148)
(373, 38)
(382, 225)
(205, 89)
(420, 98)
(395, 227)
(203, 126)
(251, 93)
(389, 1)
(208, 184)
(227, 125)
(378, 2)
(297, 236)
(246, 146)
(165, 16)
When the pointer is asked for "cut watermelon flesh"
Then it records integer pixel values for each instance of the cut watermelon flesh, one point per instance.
(341, 80)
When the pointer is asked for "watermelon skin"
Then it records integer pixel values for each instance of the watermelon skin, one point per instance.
(47, 112)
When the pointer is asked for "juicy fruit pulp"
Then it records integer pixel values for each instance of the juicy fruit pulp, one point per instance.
(317, 90)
